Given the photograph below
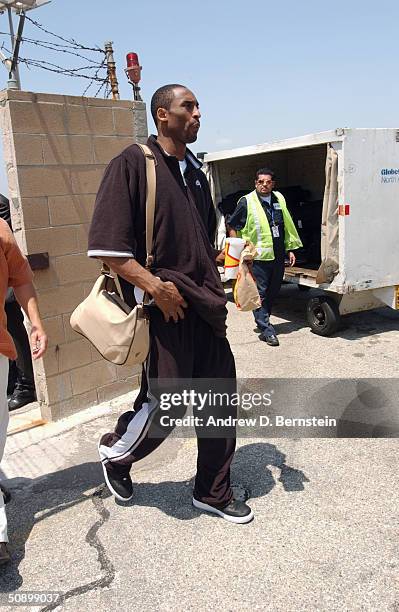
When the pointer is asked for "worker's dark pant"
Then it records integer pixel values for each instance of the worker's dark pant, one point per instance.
(269, 276)
(16, 327)
(184, 350)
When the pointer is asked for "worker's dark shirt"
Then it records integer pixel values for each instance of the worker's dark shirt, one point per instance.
(184, 227)
(5, 209)
(238, 220)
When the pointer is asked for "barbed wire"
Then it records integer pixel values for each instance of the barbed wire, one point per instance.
(38, 43)
(49, 45)
(59, 69)
(102, 66)
(54, 45)
(70, 41)
(104, 84)
(69, 46)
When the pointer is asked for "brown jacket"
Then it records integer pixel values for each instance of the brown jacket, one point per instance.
(184, 227)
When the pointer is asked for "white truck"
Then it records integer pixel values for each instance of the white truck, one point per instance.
(342, 188)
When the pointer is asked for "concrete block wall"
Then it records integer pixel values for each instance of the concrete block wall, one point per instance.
(56, 149)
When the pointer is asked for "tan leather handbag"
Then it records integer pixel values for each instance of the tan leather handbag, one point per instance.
(120, 333)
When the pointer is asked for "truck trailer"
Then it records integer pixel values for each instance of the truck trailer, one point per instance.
(342, 189)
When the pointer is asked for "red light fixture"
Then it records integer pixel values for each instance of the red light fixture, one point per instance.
(133, 69)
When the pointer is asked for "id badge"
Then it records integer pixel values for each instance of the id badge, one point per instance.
(275, 232)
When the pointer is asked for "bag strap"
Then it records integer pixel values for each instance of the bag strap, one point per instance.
(150, 163)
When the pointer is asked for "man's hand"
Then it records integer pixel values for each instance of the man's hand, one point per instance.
(169, 300)
(38, 341)
(292, 257)
(220, 258)
(166, 295)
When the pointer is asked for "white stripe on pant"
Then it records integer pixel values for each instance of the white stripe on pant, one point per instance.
(3, 434)
(136, 429)
(135, 432)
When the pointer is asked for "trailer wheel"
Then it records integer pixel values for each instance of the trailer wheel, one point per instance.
(323, 316)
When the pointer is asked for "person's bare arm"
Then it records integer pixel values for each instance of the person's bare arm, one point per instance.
(165, 294)
(26, 296)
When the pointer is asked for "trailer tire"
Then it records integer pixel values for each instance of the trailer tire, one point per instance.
(323, 316)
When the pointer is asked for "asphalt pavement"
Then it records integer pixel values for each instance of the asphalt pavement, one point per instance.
(325, 534)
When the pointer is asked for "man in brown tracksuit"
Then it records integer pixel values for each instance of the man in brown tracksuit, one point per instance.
(188, 314)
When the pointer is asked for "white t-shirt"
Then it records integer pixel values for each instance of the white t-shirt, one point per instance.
(183, 166)
(267, 198)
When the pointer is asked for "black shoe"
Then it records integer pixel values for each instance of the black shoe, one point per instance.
(120, 485)
(21, 397)
(6, 494)
(235, 511)
(270, 340)
(240, 493)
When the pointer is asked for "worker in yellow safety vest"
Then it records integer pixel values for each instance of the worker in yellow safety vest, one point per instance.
(262, 217)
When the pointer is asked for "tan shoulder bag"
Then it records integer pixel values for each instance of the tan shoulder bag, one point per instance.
(118, 332)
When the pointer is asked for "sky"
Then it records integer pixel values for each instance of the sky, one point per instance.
(261, 70)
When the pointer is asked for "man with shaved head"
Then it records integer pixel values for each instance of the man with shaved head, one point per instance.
(188, 310)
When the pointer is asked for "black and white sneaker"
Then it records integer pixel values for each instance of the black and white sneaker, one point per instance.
(235, 511)
(120, 486)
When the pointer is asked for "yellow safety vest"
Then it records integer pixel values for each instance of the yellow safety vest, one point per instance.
(257, 229)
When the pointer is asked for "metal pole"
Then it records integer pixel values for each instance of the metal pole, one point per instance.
(18, 39)
(136, 93)
(14, 78)
(111, 70)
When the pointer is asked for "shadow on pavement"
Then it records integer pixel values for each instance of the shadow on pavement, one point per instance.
(36, 500)
(291, 304)
(250, 469)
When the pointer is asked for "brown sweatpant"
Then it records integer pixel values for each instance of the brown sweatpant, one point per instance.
(186, 350)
